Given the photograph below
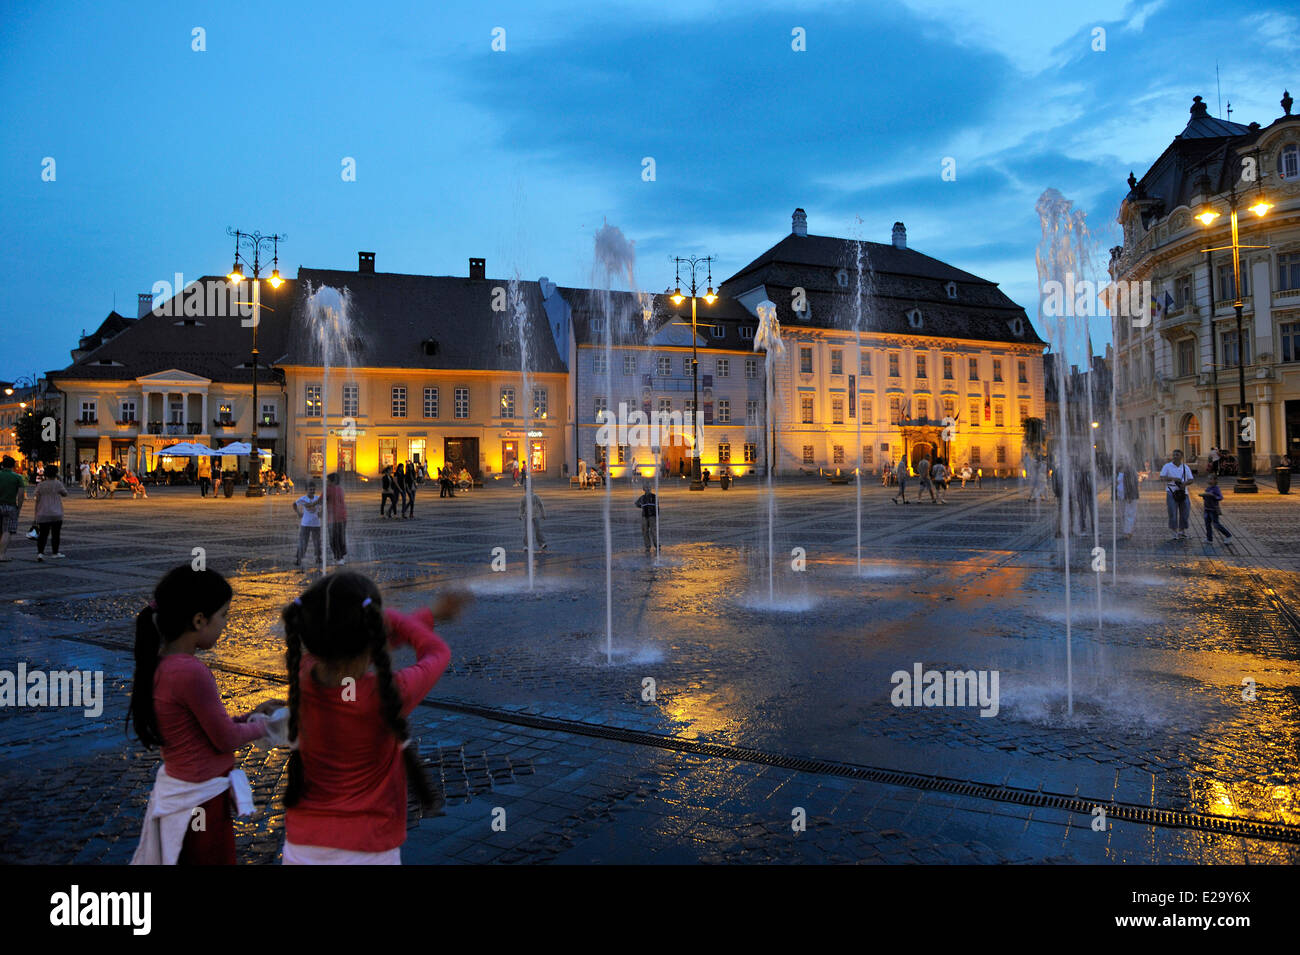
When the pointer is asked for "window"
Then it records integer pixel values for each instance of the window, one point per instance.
(837, 454)
(947, 367)
(893, 366)
(837, 361)
(868, 456)
(268, 412)
(724, 411)
(431, 402)
(387, 453)
(507, 403)
(1002, 454)
(949, 408)
(1288, 271)
(864, 408)
(663, 366)
(807, 454)
(600, 406)
(722, 367)
(998, 415)
(724, 454)
(751, 452)
(686, 366)
(806, 407)
(746, 331)
(88, 411)
(719, 331)
(751, 367)
(997, 369)
(399, 401)
(688, 408)
(665, 406)
(973, 366)
(599, 364)
(837, 411)
(895, 409)
(225, 413)
(622, 454)
(1186, 357)
(128, 411)
(920, 366)
(751, 411)
(922, 408)
(1024, 411)
(1232, 436)
(1288, 164)
(975, 456)
(864, 364)
(541, 402)
(1290, 341)
(1229, 350)
(1226, 288)
(462, 403)
(313, 402)
(1022, 373)
(805, 360)
(351, 400)
(974, 412)
(629, 364)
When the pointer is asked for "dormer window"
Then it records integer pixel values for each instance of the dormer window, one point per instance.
(842, 277)
(1017, 327)
(914, 318)
(188, 323)
(951, 289)
(430, 347)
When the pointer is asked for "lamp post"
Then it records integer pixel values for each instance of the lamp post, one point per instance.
(253, 241)
(709, 297)
(1207, 214)
(34, 406)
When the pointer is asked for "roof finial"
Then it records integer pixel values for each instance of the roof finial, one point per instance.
(1199, 109)
(1132, 180)
(1286, 102)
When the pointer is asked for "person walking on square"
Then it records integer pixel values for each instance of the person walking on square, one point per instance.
(901, 472)
(388, 494)
(85, 477)
(923, 475)
(336, 516)
(399, 486)
(1213, 498)
(539, 514)
(939, 479)
(649, 505)
(175, 704)
(351, 757)
(205, 477)
(12, 495)
(1177, 476)
(1126, 493)
(307, 508)
(408, 503)
(49, 513)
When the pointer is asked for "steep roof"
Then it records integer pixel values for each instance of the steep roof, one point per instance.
(214, 345)
(426, 321)
(629, 327)
(896, 283)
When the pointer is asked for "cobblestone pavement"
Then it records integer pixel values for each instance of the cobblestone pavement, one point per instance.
(1159, 717)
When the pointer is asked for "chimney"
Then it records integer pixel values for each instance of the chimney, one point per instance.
(144, 304)
(900, 235)
(799, 223)
(366, 262)
(478, 268)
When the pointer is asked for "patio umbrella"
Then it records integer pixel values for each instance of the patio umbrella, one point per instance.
(242, 448)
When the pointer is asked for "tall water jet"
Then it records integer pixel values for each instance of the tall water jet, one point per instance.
(767, 338)
(856, 407)
(615, 260)
(656, 429)
(519, 313)
(330, 321)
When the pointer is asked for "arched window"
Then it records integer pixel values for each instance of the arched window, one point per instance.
(1191, 429)
(1288, 162)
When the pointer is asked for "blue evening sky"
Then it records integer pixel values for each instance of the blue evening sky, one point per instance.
(520, 156)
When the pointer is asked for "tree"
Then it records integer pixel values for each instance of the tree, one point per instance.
(37, 437)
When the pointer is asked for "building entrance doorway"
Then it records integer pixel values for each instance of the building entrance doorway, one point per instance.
(461, 453)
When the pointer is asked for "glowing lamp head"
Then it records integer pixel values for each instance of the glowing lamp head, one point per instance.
(709, 296)
(1206, 216)
(275, 279)
(1261, 206)
(236, 275)
(678, 297)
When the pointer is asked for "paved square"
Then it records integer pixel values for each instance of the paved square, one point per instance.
(761, 717)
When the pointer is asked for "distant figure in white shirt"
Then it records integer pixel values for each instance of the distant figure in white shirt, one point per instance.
(1177, 476)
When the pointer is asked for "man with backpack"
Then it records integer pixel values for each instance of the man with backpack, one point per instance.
(649, 505)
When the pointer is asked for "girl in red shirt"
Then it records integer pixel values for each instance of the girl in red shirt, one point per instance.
(350, 764)
(175, 704)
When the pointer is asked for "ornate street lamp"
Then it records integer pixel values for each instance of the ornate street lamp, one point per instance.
(709, 297)
(1207, 214)
(253, 241)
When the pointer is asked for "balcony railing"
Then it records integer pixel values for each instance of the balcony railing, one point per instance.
(268, 422)
(84, 421)
(223, 422)
(127, 422)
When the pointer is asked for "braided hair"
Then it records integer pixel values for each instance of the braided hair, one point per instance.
(340, 617)
(182, 593)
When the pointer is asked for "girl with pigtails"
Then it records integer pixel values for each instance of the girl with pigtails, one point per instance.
(345, 803)
(175, 704)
